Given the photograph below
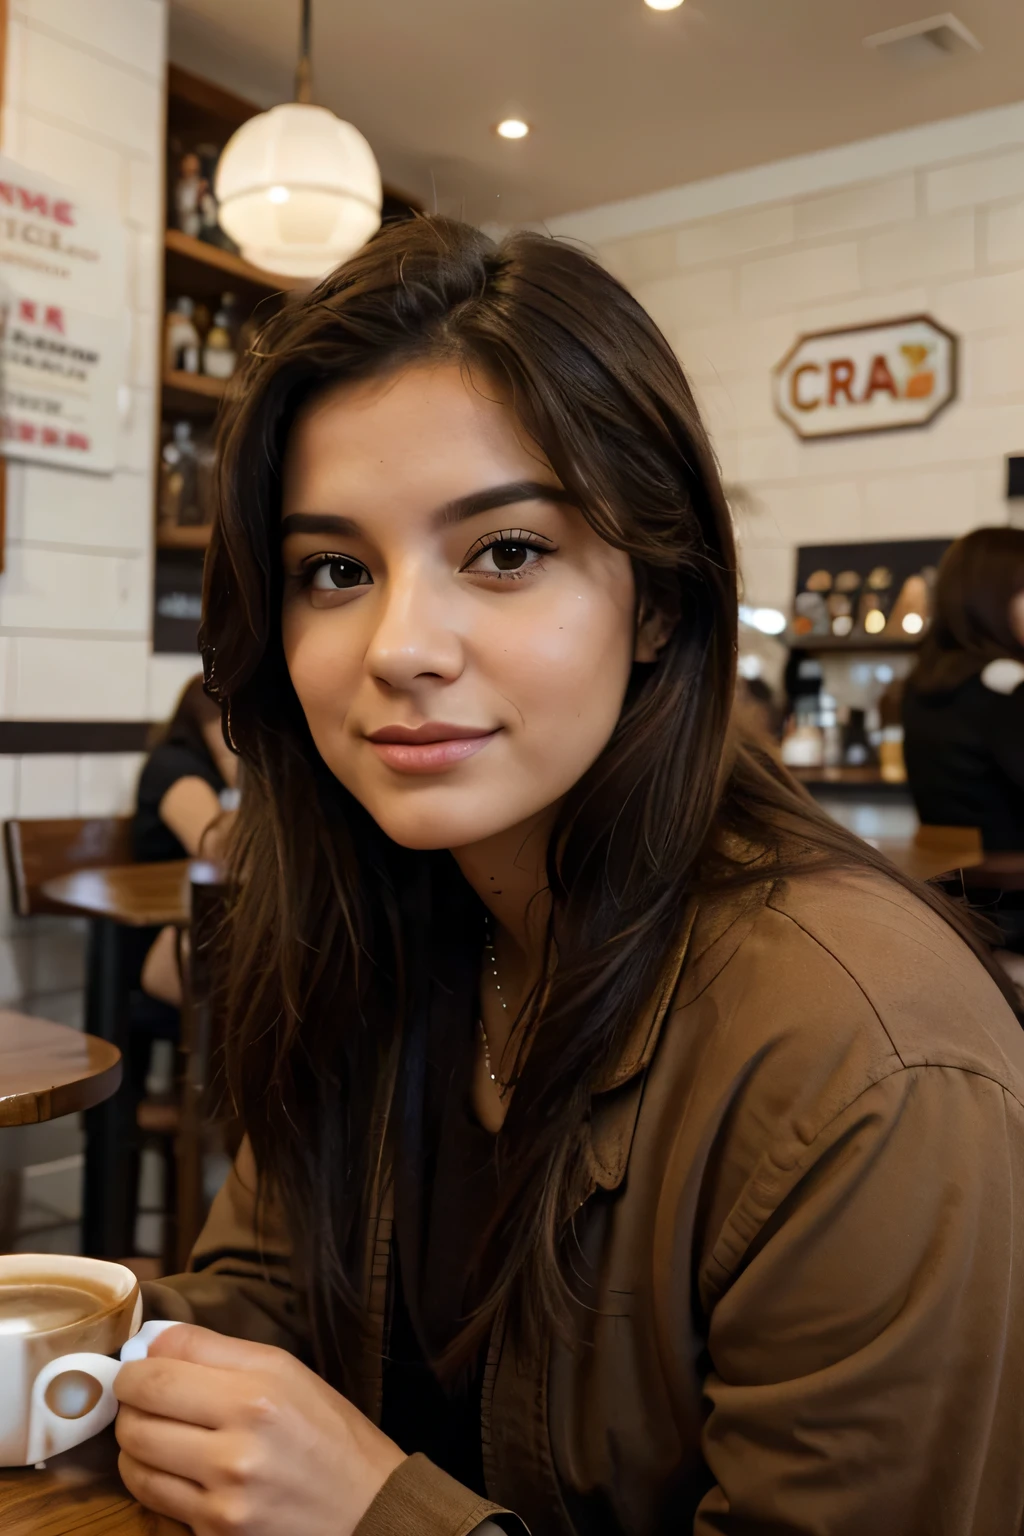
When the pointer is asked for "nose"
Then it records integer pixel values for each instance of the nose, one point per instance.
(415, 640)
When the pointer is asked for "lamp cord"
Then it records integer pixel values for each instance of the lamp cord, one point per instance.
(304, 71)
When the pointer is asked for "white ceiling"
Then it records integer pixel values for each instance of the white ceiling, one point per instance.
(622, 99)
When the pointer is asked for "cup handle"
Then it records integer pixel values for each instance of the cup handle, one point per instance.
(50, 1432)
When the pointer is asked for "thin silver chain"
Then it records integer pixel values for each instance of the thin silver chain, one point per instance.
(492, 963)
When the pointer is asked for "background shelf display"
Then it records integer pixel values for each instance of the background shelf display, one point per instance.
(201, 117)
(187, 536)
(204, 270)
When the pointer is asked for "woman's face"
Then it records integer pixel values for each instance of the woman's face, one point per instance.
(458, 636)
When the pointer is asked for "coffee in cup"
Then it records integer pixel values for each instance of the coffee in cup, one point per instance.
(61, 1319)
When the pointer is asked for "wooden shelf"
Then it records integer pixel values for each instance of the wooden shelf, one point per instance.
(852, 783)
(202, 270)
(864, 645)
(842, 775)
(196, 536)
(192, 394)
(195, 384)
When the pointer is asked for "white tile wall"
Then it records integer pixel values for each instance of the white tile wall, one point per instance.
(48, 785)
(784, 282)
(736, 234)
(132, 32)
(58, 507)
(61, 589)
(995, 366)
(1004, 235)
(920, 249)
(979, 179)
(90, 680)
(864, 207)
(84, 104)
(106, 783)
(945, 235)
(84, 89)
(69, 156)
(8, 787)
(167, 676)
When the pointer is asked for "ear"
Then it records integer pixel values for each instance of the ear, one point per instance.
(654, 630)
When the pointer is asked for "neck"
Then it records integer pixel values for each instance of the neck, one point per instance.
(508, 873)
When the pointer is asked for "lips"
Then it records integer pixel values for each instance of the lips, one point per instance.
(428, 748)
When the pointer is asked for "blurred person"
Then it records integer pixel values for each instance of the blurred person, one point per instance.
(628, 1146)
(963, 704)
(963, 712)
(184, 810)
(758, 709)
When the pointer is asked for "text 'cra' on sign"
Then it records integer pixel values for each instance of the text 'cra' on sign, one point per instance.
(871, 378)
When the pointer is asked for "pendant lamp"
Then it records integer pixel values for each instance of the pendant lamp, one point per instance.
(299, 190)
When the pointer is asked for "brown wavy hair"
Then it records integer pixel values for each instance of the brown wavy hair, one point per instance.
(978, 577)
(329, 934)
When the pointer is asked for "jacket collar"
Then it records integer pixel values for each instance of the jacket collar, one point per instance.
(643, 1037)
(709, 936)
(616, 1101)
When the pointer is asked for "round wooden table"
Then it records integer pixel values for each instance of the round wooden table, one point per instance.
(48, 1070)
(78, 1494)
(116, 900)
(133, 895)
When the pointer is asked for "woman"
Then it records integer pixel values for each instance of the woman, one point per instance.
(963, 707)
(627, 1147)
(183, 810)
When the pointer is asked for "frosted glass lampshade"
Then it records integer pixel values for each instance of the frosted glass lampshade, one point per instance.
(299, 190)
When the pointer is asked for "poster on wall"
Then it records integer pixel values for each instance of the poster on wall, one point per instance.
(867, 378)
(62, 325)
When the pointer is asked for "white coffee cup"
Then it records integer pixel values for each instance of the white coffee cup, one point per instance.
(61, 1319)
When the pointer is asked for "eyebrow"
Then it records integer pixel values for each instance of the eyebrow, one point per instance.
(457, 511)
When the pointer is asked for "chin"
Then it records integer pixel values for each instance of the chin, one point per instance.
(429, 833)
(449, 818)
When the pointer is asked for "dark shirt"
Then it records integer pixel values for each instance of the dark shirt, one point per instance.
(964, 752)
(445, 1194)
(154, 842)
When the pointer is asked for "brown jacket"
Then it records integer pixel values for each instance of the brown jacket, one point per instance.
(806, 1241)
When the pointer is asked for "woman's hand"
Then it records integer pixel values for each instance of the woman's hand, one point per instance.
(239, 1439)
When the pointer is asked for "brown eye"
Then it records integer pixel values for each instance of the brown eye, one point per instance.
(509, 557)
(338, 575)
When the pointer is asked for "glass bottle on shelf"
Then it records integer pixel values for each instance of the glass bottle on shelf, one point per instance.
(190, 187)
(177, 501)
(206, 473)
(219, 354)
(181, 339)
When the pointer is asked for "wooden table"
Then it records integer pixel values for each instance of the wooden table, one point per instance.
(79, 1494)
(116, 900)
(131, 895)
(924, 862)
(47, 1070)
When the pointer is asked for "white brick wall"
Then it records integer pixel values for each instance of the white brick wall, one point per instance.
(928, 220)
(83, 103)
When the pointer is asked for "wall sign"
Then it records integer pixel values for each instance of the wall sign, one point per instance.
(869, 378)
(62, 329)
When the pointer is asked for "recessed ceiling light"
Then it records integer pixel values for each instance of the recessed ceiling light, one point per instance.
(664, 5)
(513, 128)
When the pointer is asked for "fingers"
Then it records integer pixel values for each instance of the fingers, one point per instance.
(161, 1491)
(177, 1389)
(166, 1445)
(202, 1346)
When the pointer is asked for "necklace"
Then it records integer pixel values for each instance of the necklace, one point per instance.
(492, 961)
